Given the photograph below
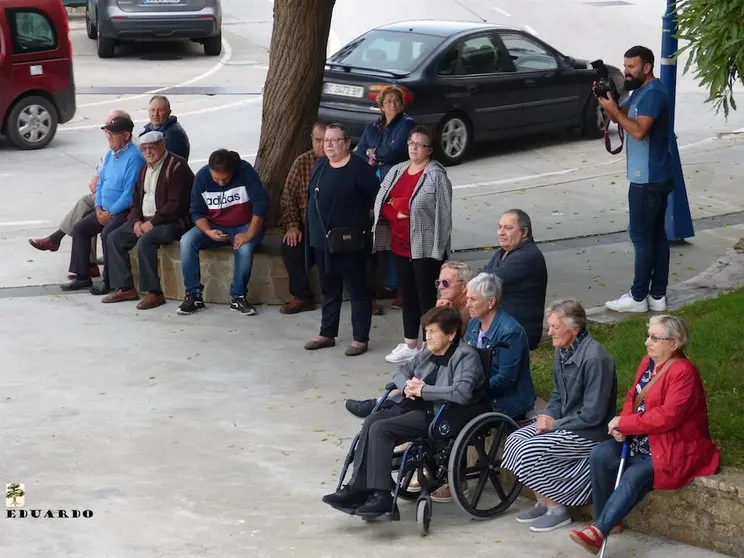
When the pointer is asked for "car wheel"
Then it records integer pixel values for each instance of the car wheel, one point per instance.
(213, 45)
(106, 47)
(32, 123)
(592, 123)
(454, 138)
(90, 29)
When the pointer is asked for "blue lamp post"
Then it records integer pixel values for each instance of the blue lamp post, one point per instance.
(678, 223)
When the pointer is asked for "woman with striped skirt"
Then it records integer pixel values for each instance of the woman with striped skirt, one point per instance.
(551, 456)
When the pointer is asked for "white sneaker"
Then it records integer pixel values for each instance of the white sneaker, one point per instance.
(657, 304)
(402, 353)
(627, 303)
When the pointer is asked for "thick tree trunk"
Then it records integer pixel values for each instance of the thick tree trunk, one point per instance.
(293, 85)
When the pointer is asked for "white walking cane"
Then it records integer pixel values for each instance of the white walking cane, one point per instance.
(623, 459)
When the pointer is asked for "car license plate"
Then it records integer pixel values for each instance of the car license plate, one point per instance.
(344, 90)
(161, 1)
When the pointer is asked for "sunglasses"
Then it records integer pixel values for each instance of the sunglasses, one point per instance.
(443, 283)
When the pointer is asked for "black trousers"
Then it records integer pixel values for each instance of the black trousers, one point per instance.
(294, 261)
(82, 234)
(123, 239)
(416, 283)
(381, 432)
(351, 270)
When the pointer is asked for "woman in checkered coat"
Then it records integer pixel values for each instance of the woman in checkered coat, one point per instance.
(413, 219)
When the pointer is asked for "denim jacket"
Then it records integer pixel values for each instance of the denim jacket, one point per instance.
(509, 382)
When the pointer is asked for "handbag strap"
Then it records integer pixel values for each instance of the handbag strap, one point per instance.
(641, 396)
(317, 203)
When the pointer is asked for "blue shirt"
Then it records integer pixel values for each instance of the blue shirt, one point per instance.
(117, 177)
(510, 384)
(649, 159)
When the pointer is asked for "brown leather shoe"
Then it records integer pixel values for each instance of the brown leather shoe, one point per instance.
(93, 272)
(151, 300)
(397, 303)
(377, 309)
(297, 305)
(120, 296)
(316, 344)
(356, 350)
(44, 244)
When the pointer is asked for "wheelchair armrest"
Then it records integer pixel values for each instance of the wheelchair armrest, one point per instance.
(391, 386)
(433, 423)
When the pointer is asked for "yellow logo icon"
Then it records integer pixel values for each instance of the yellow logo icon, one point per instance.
(15, 495)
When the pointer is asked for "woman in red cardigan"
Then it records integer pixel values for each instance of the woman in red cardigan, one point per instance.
(665, 418)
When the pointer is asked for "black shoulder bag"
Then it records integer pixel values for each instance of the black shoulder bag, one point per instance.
(340, 240)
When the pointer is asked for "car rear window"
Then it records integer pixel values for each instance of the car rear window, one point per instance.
(387, 50)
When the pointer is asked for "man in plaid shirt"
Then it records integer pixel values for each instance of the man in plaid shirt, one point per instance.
(293, 204)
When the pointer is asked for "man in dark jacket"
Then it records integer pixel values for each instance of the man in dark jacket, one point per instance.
(228, 206)
(520, 265)
(161, 120)
(159, 216)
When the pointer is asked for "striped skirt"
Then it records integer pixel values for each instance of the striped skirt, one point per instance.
(554, 464)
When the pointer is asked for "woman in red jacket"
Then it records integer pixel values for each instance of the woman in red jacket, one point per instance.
(665, 418)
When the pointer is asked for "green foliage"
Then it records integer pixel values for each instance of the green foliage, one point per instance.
(715, 32)
(716, 348)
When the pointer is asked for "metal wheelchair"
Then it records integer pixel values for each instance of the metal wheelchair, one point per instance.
(463, 448)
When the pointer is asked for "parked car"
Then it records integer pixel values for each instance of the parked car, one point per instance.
(111, 22)
(469, 82)
(37, 87)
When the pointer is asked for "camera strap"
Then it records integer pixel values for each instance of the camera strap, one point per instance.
(607, 141)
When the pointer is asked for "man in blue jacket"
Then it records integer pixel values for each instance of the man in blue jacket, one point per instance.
(161, 120)
(228, 207)
(119, 171)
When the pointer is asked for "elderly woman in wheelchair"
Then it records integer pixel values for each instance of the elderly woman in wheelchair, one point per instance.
(447, 372)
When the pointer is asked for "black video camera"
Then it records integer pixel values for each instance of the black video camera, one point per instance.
(604, 86)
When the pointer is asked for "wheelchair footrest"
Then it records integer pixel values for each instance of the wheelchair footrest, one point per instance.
(385, 517)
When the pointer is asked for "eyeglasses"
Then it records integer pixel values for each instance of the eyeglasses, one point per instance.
(417, 144)
(655, 339)
(444, 283)
(333, 141)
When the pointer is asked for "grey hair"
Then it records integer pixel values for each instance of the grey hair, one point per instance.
(464, 273)
(675, 327)
(570, 311)
(161, 98)
(523, 220)
(119, 112)
(487, 286)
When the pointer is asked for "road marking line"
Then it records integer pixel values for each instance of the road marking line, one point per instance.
(4, 175)
(531, 30)
(191, 113)
(334, 43)
(502, 12)
(226, 56)
(22, 223)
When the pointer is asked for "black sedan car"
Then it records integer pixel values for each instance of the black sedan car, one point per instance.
(467, 81)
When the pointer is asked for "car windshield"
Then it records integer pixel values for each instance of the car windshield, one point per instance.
(387, 50)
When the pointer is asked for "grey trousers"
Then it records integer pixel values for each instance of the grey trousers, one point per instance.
(381, 432)
(122, 240)
(84, 206)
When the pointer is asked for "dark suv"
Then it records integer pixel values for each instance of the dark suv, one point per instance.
(111, 22)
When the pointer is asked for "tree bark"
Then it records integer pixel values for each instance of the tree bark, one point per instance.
(292, 91)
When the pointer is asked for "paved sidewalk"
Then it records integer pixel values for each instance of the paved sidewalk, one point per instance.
(209, 435)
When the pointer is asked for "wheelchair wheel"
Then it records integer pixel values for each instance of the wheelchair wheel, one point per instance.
(476, 458)
(423, 515)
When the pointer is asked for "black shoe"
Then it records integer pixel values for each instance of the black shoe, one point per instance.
(378, 504)
(192, 303)
(100, 289)
(347, 499)
(77, 284)
(240, 304)
(361, 409)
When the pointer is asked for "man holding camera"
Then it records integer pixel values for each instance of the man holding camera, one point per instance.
(645, 117)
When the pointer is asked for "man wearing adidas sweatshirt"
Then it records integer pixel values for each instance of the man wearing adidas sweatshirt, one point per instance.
(228, 207)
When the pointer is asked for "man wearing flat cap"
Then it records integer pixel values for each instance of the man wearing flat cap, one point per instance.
(159, 216)
(119, 170)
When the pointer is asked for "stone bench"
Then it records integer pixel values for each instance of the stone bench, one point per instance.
(707, 513)
(269, 282)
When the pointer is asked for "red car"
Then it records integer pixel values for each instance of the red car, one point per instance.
(37, 87)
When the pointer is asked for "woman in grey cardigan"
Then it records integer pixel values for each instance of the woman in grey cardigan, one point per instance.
(413, 219)
(551, 456)
(447, 369)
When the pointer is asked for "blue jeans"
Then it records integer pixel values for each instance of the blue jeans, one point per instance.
(612, 505)
(195, 240)
(647, 207)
